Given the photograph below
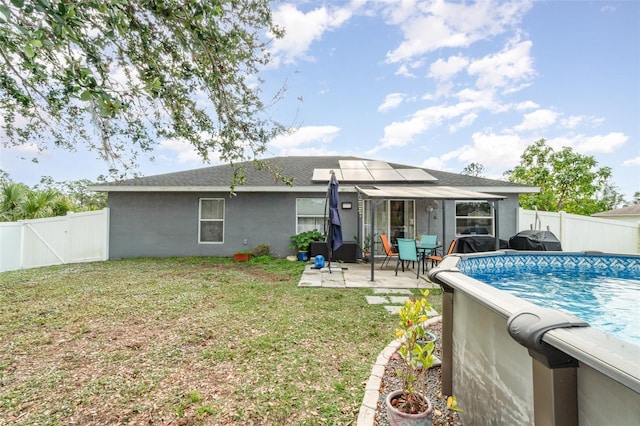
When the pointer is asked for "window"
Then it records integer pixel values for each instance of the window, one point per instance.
(211, 220)
(474, 218)
(309, 214)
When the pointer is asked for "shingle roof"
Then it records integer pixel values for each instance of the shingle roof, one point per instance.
(632, 210)
(299, 167)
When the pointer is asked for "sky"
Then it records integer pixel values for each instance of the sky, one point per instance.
(435, 84)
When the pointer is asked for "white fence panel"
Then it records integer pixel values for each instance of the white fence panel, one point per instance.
(583, 233)
(10, 253)
(89, 237)
(76, 237)
(43, 242)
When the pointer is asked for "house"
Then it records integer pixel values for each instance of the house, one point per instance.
(192, 213)
(628, 214)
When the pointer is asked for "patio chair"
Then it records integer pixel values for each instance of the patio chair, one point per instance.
(435, 258)
(387, 250)
(428, 246)
(429, 240)
(407, 252)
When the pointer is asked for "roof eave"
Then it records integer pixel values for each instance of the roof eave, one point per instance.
(281, 188)
(237, 189)
(504, 189)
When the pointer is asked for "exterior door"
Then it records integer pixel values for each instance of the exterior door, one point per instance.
(395, 218)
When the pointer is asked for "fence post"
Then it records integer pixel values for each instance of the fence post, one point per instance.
(562, 216)
(23, 225)
(68, 238)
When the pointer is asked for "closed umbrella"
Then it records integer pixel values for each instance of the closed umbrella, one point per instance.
(334, 236)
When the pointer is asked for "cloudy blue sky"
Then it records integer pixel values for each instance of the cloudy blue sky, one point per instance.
(437, 84)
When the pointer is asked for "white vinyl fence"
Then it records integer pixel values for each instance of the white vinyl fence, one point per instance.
(84, 237)
(76, 237)
(584, 233)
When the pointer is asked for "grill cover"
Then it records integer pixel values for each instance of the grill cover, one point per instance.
(478, 243)
(535, 241)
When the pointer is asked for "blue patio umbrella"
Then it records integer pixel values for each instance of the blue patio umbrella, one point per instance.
(334, 236)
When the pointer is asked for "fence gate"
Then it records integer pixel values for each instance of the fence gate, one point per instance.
(76, 237)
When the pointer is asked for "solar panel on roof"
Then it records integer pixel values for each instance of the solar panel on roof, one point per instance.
(353, 175)
(323, 175)
(352, 164)
(386, 175)
(371, 171)
(377, 165)
(413, 175)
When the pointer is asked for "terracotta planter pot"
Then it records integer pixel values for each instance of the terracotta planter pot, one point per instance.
(398, 418)
(241, 257)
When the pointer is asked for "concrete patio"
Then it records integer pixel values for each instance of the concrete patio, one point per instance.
(358, 275)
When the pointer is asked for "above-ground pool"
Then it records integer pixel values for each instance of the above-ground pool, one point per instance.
(542, 337)
(602, 290)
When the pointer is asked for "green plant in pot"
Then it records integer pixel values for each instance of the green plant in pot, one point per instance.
(409, 405)
(302, 241)
(365, 246)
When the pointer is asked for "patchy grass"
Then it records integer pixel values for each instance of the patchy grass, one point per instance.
(183, 341)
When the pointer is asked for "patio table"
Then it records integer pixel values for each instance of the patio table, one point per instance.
(425, 250)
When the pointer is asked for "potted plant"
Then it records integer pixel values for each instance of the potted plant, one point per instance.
(409, 405)
(365, 246)
(242, 256)
(302, 241)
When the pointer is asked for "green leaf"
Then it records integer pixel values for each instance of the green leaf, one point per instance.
(85, 96)
(28, 51)
(17, 3)
(5, 11)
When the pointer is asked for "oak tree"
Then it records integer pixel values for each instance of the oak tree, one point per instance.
(122, 75)
(568, 181)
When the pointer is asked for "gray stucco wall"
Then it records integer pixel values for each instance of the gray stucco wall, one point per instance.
(507, 219)
(166, 223)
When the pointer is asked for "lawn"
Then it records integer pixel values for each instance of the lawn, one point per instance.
(183, 341)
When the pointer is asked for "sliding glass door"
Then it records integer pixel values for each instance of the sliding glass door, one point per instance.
(395, 218)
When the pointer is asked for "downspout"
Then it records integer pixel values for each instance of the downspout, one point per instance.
(497, 224)
(373, 245)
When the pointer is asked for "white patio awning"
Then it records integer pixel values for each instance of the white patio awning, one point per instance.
(431, 192)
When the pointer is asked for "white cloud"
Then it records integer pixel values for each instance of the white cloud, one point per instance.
(575, 120)
(183, 152)
(302, 29)
(400, 133)
(497, 152)
(23, 149)
(526, 105)
(304, 136)
(600, 143)
(466, 121)
(404, 71)
(493, 150)
(391, 101)
(539, 119)
(446, 69)
(589, 145)
(428, 26)
(509, 69)
(632, 162)
(572, 122)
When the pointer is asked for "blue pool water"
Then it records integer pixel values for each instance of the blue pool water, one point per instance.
(609, 300)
